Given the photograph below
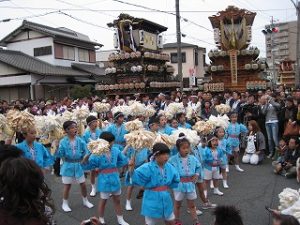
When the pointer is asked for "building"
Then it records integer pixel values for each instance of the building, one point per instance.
(193, 61)
(41, 61)
(284, 42)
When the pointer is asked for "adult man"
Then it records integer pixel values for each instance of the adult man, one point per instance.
(269, 108)
(249, 110)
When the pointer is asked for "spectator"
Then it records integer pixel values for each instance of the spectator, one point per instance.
(287, 168)
(269, 108)
(235, 102)
(206, 111)
(227, 215)
(25, 198)
(280, 219)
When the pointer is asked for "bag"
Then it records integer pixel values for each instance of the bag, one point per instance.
(291, 129)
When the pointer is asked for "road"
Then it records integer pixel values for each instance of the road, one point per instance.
(250, 192)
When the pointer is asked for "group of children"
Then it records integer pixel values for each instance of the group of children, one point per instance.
(156, 171)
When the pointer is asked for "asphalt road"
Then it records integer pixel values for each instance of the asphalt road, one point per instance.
(250, 192)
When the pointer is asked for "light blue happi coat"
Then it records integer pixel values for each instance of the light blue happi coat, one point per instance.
(235, 130)
(108, 182)
(193, 168)
(65, 151)
(156, 204)
(39, 153)
(166, 130)
(226, 148)
(119, 133)
(185, 125)
(208, 158)
(88, 135)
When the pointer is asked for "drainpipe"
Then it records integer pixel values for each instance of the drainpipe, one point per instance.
(32, 95)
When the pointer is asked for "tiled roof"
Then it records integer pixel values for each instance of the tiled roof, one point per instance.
(33, 65)
(183, 45)
(92, 69)
(51, 31)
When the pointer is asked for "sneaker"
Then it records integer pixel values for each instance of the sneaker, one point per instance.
(93, 192)
(66, 208)
(212, 184)
(238, 168)
(218, 192)
(87, 204)
(209, 205)
(198, 212)
(128, 206)
(227, 169)
(140, 194)
(225, 185)
(270, 156)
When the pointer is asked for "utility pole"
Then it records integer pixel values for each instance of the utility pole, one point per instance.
(273, 55)
(179, 55)
(297, 76)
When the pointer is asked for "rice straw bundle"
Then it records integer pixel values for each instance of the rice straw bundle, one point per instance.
(19, 120)
(223, 109)
(101, 107)
(219, 121)
(191, 135)
(204, 128)
(139, 139)
(133, 125)
(98, 147)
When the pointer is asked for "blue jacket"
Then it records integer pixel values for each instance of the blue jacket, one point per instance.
(119, 133)
(208, 159)
(186, 125)
(194, 167)
(226, 148)
(156, 204)
(234, 131)
(41, 155)
(108, 182)
(166, 130)
(87, 136)
(72, 166)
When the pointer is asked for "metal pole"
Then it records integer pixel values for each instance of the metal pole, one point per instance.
(273, 55)
(179, 56)
(297, 75)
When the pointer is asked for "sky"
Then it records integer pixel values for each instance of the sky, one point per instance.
(91, 16)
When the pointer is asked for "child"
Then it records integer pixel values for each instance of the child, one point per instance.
(92, 133)
(226, 148)
(34, 150)
(198, 152)
(256, 145)
(108, 179)
(118, 130)
(140, 158)
(72, 149)
(153, 124)
(189, 169)
(164, 128)
(234, 130)
(212, 160)
(173, 123)
(182, 121)
(157, 176)
(280, 151)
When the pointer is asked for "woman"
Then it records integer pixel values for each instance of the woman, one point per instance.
(30, 206)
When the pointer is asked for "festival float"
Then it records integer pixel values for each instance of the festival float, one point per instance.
(234, 63)
(139, 65)
(287, 73)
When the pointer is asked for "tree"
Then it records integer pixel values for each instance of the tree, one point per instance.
(79, 91)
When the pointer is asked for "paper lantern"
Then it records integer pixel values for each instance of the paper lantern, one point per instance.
(127, 55)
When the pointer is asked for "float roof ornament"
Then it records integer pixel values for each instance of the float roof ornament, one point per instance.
(232, 28)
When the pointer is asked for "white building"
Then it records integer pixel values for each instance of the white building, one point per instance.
(41, 61)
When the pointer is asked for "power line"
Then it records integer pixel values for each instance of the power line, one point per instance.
(132, 10)
(27, 17)
(161, 11)
(84, 21)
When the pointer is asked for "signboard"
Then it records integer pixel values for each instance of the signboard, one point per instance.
(214, 87)
(256, 85)
(150, 41)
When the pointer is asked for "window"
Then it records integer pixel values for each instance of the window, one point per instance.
(83, 55)
(47, 50)
(174, 57)
(64, 52)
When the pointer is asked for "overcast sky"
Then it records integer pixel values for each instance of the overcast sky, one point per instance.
(196, 11)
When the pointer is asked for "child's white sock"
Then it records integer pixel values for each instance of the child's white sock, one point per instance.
(101, 219)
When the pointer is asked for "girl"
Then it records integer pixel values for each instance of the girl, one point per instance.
(256, 145)
(173, 123)
(157, 176)
(108, 179)
(182, 121)
(140, 158)
(34, 150)
(198, 152)
(72, 149)
(118, 130)
(224, 145)
(164, 128)
(212, 160)
(234, 130)
(189, 169)
(92, 133)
